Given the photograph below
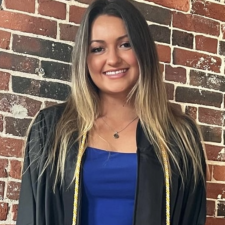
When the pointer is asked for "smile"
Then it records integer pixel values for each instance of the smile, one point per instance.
(109, 73)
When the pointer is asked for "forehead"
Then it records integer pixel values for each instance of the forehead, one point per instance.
(106, 26)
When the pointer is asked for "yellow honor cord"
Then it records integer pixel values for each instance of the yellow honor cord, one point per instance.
(167, 184)
(77, 181)
(77, 178)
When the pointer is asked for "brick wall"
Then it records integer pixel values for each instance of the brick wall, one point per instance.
(190, 37)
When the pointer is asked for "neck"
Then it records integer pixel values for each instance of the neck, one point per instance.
(116, 108)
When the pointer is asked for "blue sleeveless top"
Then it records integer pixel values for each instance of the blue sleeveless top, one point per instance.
(108, 187)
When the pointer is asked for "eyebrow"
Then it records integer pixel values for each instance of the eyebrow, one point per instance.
(101, 41)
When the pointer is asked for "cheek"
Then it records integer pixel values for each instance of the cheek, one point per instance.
(95, 65)
(90, 64)
(131, 60)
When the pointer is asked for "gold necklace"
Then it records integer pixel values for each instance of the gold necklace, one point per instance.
(116, 133)
(77, 180)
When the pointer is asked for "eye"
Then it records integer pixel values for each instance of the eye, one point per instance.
(96, 50)
(126, 45)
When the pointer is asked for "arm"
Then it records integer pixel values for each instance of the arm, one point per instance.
(194, 201)
(194, 204)
(34, 147)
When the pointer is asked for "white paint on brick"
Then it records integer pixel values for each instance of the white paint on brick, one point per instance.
(221, 155)
(200, 61)
(213, 60)
(19, 111)
(213, 80)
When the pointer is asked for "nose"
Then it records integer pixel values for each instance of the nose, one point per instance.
(113, 57)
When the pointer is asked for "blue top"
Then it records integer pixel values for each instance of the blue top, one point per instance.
(108, 187)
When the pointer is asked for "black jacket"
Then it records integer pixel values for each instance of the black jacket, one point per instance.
(38, 205)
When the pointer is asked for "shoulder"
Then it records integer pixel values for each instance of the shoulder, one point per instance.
(53, 112)
(43, 125)
(48, 117)
(41, 132)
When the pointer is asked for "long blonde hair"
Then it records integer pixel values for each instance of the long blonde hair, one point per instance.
(162, 125)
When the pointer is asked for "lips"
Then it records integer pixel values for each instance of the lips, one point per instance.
(115, 72)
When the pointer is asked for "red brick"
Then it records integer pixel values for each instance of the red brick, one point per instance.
(221, 208)
(210, 81)
(182, 39)
(211, 134)
(17, 127)
(4, 208)
(155, 14)
(196, 23)
(222, 48)
(170, 91)
(45, 89)
(4, 81)
(15, 169)
(215, 153)
(191, 111)
(209, 9)
(182, 5)
(76, 14)
(219, 173)
(3, 167)
(215, 190)
(2, 189)
(176, 74)
(215, 221)
(1, 123)
(211, 207)
(160, 34)
(13, 190)
(5, 39)
(176, 106)
(49, 104)
(200, 97)
(21, 5)
(223, 30)
(206, 44)
(14, 211)
(196, 60)
(52, 9)
(164, 53)
(56, 70)
(28, 24)
(68, 32)
(161, 67)
(9, 103)
(10, 147)
(18, 62)
(41, 47)
(210, 116)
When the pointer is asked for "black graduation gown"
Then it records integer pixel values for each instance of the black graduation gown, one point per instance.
(38, 205)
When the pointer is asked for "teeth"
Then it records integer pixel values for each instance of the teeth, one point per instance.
(115, 72)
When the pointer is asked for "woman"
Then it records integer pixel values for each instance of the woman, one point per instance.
(116, 152)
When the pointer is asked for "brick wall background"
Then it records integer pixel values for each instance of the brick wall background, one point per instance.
(190, 38)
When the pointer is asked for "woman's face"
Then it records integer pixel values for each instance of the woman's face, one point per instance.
(111, 61)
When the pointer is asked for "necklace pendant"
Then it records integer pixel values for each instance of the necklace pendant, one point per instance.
(116, 135)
